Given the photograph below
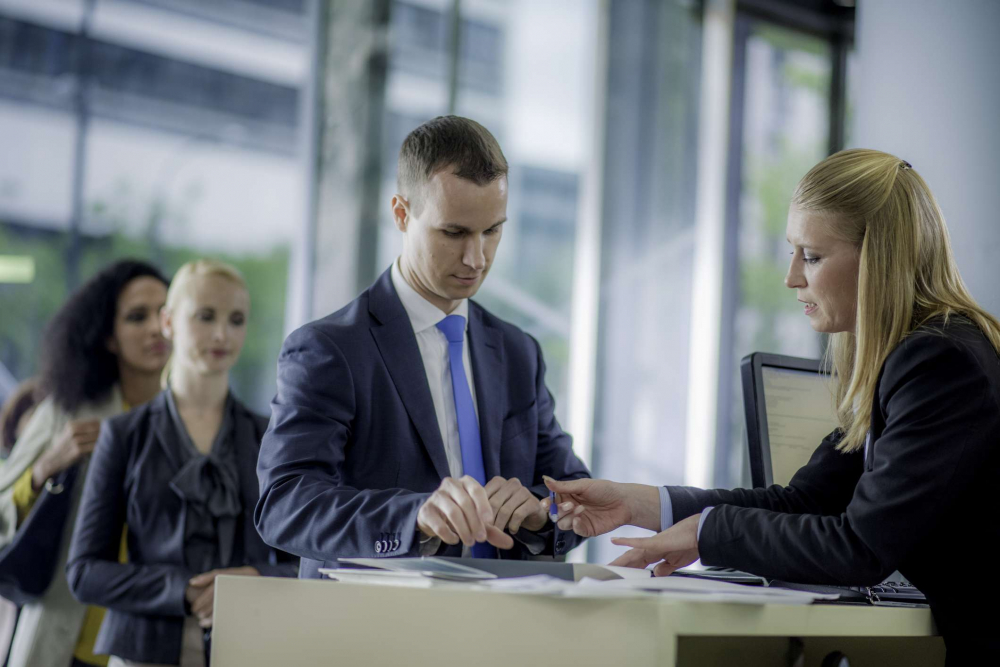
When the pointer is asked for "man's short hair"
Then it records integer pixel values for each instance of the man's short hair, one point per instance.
(461, 144)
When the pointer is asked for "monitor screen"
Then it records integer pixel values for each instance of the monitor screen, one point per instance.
(800, 413)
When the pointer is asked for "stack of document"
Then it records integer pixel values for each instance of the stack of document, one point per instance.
(586, 581)
(698, 590)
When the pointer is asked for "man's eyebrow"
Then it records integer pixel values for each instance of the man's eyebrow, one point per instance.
(455, 227)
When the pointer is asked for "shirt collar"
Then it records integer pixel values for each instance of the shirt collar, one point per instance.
(422, 313)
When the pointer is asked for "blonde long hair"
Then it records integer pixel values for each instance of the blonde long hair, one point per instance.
(180, 287)
(907, 271)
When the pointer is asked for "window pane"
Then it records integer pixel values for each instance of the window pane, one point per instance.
(785, 133)
(186, 154)
(647, 247)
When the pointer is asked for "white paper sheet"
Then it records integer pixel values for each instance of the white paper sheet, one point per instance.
(691, 589)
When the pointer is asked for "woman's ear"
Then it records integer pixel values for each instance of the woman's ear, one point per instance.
(166, 323)
(112, 345)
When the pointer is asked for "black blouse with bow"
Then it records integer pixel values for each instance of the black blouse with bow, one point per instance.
(186, 513)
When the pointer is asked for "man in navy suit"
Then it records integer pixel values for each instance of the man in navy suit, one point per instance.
(412, 421)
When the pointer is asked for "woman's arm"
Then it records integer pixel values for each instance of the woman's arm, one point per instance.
(594, 507)
(823, 486)
(94, 573)
(16, 497)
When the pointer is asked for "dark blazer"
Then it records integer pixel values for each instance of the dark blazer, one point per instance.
(128, 482)
(354, 449)
(922, 503)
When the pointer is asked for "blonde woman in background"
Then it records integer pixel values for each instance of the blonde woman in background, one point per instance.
(181, 473)
(102, 353)
(908, 480)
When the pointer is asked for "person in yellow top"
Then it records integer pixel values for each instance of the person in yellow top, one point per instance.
(102, 353)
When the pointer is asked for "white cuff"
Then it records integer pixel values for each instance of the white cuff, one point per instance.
(701, 522)
(666, 510)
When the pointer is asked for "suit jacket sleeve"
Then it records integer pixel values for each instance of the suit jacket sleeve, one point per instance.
(94, 573)
(283, 564)
(555, 458)
(279, 563)
(823, 486)
(305, 508)
(941, 418)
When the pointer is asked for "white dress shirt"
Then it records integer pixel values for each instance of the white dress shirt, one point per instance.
(433, 345)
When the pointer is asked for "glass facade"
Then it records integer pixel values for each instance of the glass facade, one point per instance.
(118, 143)
(187, 140)
(647, 247)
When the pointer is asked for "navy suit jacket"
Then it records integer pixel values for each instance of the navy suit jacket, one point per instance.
(354, 449)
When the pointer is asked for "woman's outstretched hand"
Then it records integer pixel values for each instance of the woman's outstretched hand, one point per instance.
(591, 507)
(674, 548)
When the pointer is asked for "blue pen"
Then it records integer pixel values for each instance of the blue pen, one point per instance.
(553, 510)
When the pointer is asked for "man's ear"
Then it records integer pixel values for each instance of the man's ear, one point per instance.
(400, 212)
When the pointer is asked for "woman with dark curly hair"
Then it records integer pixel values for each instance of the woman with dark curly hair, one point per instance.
(102, 354)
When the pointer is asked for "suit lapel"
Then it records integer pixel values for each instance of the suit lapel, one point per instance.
(490, 377)
(397, 344)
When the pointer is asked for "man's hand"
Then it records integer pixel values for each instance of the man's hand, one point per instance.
(514, 506)
(596, 506)
(200, 592)
(677, 547)
(75, 441)
(460, 511)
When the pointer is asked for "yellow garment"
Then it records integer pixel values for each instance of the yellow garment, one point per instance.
(84, 651)
(24, 496)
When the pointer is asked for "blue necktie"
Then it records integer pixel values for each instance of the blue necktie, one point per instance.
(453, 328)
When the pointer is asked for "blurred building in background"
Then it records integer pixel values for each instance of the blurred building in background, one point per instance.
(164, 129)
(654, 146)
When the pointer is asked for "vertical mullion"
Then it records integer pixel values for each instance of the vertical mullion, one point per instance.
(731, 259)
(838, 93)
(302, 272)
(454, 53)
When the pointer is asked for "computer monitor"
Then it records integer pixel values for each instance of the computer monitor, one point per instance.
(789, 410)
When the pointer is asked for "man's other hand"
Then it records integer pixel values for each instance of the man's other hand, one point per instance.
(514, 506)
(460, 511)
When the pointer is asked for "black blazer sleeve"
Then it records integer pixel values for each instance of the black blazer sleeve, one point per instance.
(823, 486)
(941, 420)
(94, 573)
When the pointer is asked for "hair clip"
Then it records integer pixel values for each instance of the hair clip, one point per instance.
(906, 165)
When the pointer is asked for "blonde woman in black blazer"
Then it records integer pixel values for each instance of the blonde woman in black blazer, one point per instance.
(908, 480)
(180, 474)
